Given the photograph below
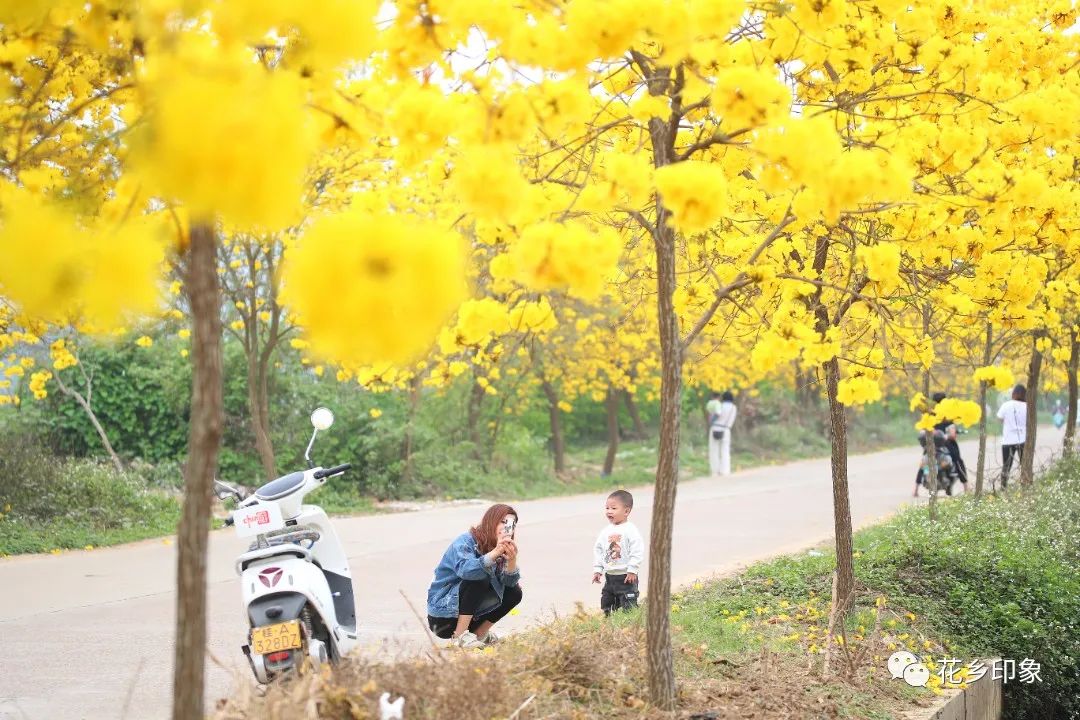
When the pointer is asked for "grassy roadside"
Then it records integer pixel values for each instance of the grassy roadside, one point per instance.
(82, 504)
(995, 578)
(157, 517)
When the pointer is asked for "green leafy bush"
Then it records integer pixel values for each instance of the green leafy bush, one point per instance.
(47, 503)
(998, 577)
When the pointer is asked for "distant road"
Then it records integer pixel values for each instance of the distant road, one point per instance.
(86, 634)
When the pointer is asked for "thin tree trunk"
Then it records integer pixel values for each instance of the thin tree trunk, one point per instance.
(980, 469)
(407, 444)
(804, 394)
(85, 405)
(658, 653)
(1027, 463)
(204, 441)
(612, 404)
(640, 433)
(1070, 417)
(264, 403)
(476, 402)
(258, 406)
(931, 441)
(558, 444)
(845, 563)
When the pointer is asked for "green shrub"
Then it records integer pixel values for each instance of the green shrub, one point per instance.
(998, 577)
(46, 503)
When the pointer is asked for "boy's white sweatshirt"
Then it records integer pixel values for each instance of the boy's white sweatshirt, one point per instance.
(619, 550)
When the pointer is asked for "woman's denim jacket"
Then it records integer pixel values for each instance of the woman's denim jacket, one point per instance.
(463, 561)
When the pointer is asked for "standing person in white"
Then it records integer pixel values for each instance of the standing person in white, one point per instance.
(617, 555)
(1013, 415)
(722, 412)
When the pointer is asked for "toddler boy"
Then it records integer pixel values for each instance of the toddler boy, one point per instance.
(617, 555)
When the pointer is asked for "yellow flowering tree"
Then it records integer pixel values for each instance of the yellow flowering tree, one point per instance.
(788, 176)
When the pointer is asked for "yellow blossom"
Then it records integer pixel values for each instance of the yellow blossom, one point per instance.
(695, 192)
(398, 278)
(228, 158)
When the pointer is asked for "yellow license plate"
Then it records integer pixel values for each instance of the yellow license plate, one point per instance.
(274, 638)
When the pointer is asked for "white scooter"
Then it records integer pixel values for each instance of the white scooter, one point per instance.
(295, 579)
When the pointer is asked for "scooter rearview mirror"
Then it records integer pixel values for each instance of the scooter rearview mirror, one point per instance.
(322, 418)
(224, 491)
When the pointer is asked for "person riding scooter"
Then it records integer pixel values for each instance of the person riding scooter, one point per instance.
(948, 427)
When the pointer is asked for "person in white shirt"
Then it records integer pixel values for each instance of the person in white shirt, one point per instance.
(617, 555)
(1013, 414)
(722, 412)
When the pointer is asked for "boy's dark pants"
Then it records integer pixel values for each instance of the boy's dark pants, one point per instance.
(618, 594)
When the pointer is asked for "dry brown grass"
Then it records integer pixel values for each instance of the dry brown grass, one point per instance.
(577, 668)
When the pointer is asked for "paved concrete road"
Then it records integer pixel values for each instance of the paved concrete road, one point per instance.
(89, 634)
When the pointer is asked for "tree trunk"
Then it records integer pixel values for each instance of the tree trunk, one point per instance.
(476, 403)
(1027, 463)
(612, 404)
(640, 433)
(1074, 397)
(86, 408)
(981, 468)
(407, 443)
(931, 442)
(661, 669)
(980, 471)
(204, 440)
(558, 445)
(806, 396)
(259, 407)
(845, 563)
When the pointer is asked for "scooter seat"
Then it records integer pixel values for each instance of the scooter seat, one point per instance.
(279, 488)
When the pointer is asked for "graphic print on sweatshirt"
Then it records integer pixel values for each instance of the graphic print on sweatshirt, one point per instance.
(614, 552)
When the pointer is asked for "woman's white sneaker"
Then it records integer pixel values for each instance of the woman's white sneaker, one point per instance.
(469, 641)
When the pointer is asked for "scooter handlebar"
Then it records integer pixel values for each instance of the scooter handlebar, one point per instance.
(328, 472)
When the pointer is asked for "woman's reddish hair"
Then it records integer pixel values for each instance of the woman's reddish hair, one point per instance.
(486, 534)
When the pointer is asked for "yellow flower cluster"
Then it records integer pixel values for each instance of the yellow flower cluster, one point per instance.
(749, 96)
(961, 412)
(882, 261)
(477, 322)
(97, 274)
(227, 158)
(37, 383)
(570, 256)
(996, 375)
(533, 316)
(62, 357)
(858, 390)
(374, 288)
(695, 192)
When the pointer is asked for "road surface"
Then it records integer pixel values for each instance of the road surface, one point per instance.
(88, 634)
